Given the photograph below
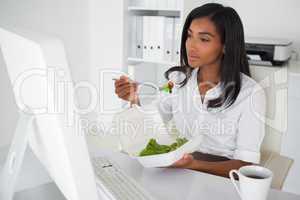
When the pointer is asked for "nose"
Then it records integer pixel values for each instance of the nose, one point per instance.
(190, 44)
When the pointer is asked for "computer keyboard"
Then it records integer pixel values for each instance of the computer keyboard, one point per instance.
(115, 183)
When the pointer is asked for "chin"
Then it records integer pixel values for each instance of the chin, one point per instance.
(194, 65)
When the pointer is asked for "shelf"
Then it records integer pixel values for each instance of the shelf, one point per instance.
(134, 61)
(154, 11)
(135, 8)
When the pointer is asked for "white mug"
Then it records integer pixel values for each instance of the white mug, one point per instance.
(254, 182)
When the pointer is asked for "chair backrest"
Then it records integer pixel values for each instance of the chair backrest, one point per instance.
(274, 81)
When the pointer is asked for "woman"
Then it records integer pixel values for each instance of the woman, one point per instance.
(218, 98)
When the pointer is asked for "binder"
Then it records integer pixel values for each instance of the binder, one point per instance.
(132, 43)
(177, 40)
(146, 37)
(151, 37)
(157, 30)
(139, 37)
(168, 38)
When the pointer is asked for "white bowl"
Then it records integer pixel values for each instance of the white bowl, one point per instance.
(167, 159)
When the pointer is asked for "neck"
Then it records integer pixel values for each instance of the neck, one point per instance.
(209, 73)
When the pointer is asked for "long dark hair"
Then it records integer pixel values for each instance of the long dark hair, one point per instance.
(234, 61)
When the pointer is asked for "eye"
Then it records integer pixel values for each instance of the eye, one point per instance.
(204, 39)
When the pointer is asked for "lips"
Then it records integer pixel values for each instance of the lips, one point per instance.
(191, 57)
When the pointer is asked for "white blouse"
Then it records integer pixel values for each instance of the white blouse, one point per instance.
(235, 132)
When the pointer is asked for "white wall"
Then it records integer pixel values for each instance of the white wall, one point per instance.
(269, 18)
(263, 18)
(108, 33)
(65, 19)
(92, 32)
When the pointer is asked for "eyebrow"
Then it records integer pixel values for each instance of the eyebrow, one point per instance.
(203, 33)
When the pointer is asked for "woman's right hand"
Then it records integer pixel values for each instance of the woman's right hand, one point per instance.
(126, 89)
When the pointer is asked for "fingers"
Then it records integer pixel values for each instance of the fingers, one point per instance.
(125, 88)
(170, 84)
(187, 156)
(184, 162)
(125, 97)
(121, 80)
(123, 77)
(126, 93)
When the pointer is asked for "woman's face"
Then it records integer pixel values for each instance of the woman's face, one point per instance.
(203, 44)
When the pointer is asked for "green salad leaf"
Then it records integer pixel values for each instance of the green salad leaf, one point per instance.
(154, 148)
(166, 88)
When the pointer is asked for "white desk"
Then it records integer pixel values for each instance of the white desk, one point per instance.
(163, 183)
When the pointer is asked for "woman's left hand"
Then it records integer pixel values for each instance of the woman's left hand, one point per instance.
(185, 162)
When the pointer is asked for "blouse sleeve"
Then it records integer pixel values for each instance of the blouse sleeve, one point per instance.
(251, 127)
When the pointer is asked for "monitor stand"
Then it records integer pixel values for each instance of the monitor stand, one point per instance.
(15, 157)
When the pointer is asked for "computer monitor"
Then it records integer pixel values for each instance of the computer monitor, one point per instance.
(28, 57)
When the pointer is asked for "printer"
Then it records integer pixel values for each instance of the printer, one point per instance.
(268, 51)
